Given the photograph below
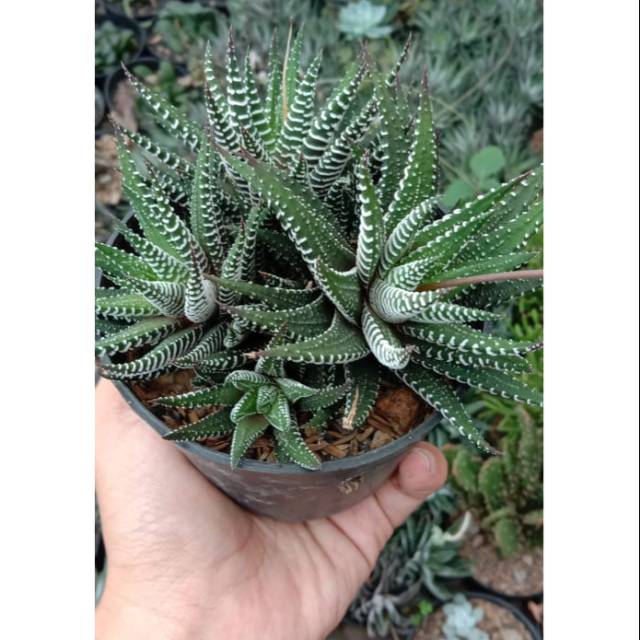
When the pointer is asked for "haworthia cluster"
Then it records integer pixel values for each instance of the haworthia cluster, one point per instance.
(298, 252)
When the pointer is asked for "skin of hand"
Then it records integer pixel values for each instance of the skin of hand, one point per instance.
(187, 562)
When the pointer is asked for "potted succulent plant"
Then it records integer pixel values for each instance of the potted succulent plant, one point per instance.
(292, 272)
(477, 616)
(505, 497)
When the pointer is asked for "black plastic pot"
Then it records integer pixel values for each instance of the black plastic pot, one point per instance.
(506, 596)
(286, 491)
(533, 629)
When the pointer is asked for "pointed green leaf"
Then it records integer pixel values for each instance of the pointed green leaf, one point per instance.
(225, 395)
(340, 343)
(371, 235)
(435, 391)
(215, 424)
(160, 357)
(142, 333)
(247, 431)
(383, 342)
(295, 448)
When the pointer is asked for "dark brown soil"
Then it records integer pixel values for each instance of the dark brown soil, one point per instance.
(499, 623)
(396, 412)
(520, 575)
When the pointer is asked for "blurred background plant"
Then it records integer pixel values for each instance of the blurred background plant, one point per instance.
(416, 567)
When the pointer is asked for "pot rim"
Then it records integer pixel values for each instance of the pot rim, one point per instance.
(532, 627)
(416, 434)
(344, 464)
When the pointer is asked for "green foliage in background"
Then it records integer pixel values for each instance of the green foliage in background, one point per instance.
(112, 45)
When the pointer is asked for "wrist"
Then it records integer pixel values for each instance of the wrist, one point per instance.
(132, 612)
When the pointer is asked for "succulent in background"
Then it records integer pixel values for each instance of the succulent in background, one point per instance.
(371, 277)
(486, 168)
(461, 620)
(112, 45)
(485, 63)
(183, 29)
(363, 19)
(505, 493)
(412, 568)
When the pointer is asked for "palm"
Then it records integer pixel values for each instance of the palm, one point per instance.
(169, 532)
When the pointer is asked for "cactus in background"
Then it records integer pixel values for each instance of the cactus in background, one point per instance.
(504, 493)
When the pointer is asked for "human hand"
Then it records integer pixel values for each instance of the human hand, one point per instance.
(185, 561)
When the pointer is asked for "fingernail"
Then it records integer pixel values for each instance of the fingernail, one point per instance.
(427, 457)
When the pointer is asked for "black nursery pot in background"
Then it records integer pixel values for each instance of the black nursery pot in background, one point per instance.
(286, 491)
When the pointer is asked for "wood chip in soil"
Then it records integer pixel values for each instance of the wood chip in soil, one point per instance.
(497, 622)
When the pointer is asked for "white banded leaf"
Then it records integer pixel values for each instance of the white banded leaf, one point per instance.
(467, 340)
(210, 343)
(326, 122)
(495, 264)
(267, 396)
(364, 376)
(145, 332)
(402, 234)
(295, 448)
(205, 207)
(308, 320)
(339, 344)
(492, 294)
(118, 265)
(294, 390)
(166, 297)
(160, 357)
(247, 380)
(165, 266)
(279, 415)
(387, 348)
(246, 432)
(277, 297)
(371, 234)
(221, 361)
(410, 274)
(215, 424)
(432, 352)
(224, 395)
(324, 397)
(168, 116)
(301, 214)
(420, 176)
(341, 287)
(439, 394)
(395, 305)
(393, 146)
(114, 303)
(493, 382)
(445, 312)
(199, 294)
(299, 116)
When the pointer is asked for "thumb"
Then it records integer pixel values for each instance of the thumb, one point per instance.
(370, 523)
(422, 472)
